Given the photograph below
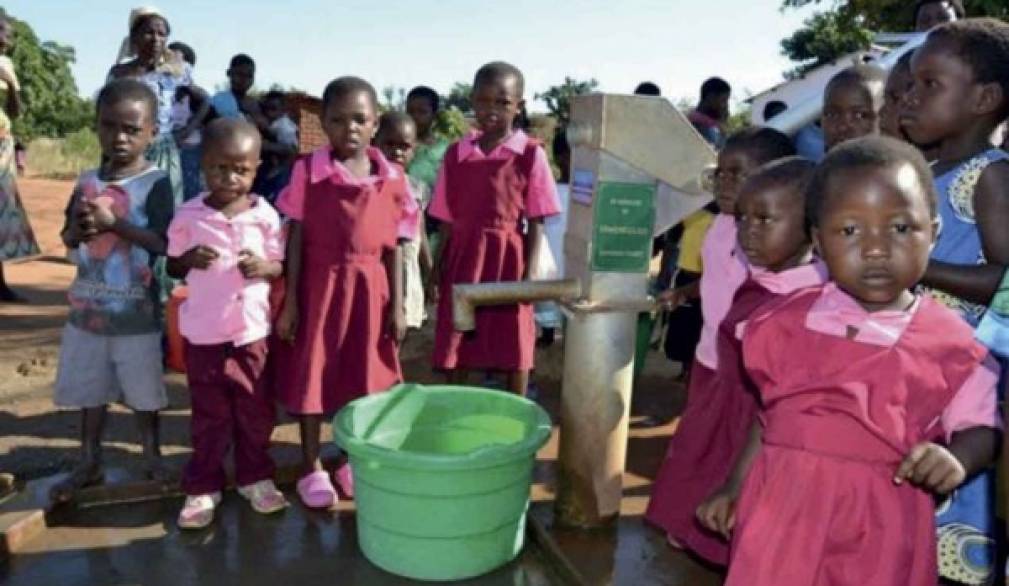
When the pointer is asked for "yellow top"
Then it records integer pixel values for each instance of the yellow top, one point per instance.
(695, 227)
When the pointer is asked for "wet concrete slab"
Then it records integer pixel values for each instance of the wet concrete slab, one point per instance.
(140, 544)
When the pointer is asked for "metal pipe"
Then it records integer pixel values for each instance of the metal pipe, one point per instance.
(796, 117)
(466, 298)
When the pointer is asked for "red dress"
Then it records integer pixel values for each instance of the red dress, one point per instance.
(342, 350)
(721, 408)
(487, 201)
(819, 506)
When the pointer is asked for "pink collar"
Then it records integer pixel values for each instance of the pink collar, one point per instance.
(470, 144)
(323, 166)
(808, 275)
(836, 311)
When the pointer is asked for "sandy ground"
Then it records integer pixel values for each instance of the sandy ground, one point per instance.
(36, 439)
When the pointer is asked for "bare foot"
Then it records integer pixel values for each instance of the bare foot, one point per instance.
(157, 471)
(85, 475)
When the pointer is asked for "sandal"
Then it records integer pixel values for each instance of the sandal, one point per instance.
(264, 497)
(198, 512)
(316, 491)
(344, 477)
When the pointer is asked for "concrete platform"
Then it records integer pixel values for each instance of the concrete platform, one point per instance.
(140, 544)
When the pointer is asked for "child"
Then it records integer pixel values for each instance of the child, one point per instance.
(714, 427)
(187, 136)
(397, 138)
(860, 379)
(712, 111)
(115, 229)
(343, 312)
(422, 104)
(898, 82)
(489, 183)
(280, 147)
(929, 14)
(236, 102)
(959, 97)
(851, 104)
(546, 313)
(227, 245)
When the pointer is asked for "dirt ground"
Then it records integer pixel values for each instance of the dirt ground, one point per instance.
(36, 439)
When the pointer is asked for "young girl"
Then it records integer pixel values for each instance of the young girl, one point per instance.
(397, 139)
(724, 272)
(873, 398)
(343, 312)
(851, 104)
(422, 104)
(898, 83)
(227, 245)
(771, 221)
(959, 97)
(490, 182)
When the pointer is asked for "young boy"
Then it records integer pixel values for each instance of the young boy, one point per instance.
(236, 101)
(227, 245)
(280, 147)
(115, 229)
(712, 111)
(851, 104)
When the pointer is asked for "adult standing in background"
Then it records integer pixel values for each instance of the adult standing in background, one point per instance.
(16, 237)
(145, 56)
(929, 14)
(712, 111)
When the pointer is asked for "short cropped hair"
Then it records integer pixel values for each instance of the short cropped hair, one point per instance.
(763, 143)
(714, 86)
(188, 54)
(344, 86)
(983, 43)
(241, 60)
(647, 88)
(425, 93)
(499, 70)
(128, 89)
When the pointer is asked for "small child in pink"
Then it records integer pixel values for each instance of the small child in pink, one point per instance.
(489, 183)
(227, 244)
(343, 315)
(725, 271)
(873, 398)
(771, 220)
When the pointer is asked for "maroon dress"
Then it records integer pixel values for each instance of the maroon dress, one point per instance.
(487, 201)
(342, 349)
(721, 408)
(819, 506)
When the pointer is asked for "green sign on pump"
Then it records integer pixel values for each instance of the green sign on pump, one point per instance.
(622, 229)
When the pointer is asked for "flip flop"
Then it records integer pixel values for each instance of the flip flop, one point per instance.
(344, 477)
(316, 491)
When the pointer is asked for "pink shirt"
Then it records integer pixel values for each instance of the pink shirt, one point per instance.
(974, 405)
(322, 166)
(785, 282)
(541, 195)
(724, 272)
(223, 306)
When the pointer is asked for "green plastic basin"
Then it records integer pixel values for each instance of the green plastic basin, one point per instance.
(441, 477)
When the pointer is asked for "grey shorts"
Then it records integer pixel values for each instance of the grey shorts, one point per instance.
(97, 370)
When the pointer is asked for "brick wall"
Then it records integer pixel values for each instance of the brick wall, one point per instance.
(305, 110)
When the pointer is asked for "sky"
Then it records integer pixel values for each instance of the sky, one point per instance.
(305, 43)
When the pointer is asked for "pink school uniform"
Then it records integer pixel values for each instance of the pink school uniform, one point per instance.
(485, 197)
(225, 321)
(846, 394)
(715, 425)
(342, 349)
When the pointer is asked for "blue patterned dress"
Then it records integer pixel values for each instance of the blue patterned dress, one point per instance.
(965, 522)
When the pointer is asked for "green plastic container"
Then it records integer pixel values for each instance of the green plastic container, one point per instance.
(441, 477)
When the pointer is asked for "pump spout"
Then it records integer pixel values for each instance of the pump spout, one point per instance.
(466, 298)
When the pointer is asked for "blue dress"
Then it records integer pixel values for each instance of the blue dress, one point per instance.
(965, 522)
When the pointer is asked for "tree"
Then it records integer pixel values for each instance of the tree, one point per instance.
(52, 105)
(849, 24)
(393, 98)
(458, 97)
(558, 97)
(450, 124)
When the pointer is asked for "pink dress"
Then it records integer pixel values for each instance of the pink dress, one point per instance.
(819, 506)
(485, 198)
(715, 425)
(342, 349)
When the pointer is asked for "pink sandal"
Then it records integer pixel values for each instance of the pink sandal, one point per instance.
(344, 477)
(316, 490)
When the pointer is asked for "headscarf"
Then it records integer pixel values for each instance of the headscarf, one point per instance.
(168, 62)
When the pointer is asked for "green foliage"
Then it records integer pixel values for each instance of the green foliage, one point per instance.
(51, 105)
(450, 124)
(393, 98)
(558, 97)
(847, 26)
(64, 158)
(459, 97)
